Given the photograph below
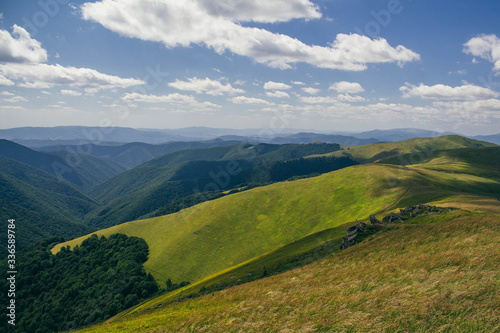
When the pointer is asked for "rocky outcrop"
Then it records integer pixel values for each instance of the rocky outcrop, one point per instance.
(352, 233)
(410, 211)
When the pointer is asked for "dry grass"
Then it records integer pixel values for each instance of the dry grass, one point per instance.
(439, 277)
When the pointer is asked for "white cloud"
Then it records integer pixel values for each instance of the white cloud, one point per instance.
(240, 82)
(11, 107)
(278, 94)
(249, 100)
(6, 93)
(270, 85)
(341, 98)
(469, 106)
(71, 92)
(458, 72)
(261, 10)
(349, 98)
(344, 87)
(298, 83)
(206, 85)
(443, 92)
(310, 91)
(22, 59)
(15, 99)
(186, 101)
(20, 47)
(216, 24)
(47, 76)
(486, 47)
(319, 100)
(5, 81)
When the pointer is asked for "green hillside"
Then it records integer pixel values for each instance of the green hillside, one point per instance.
(434, 276)
(164, 168)
(262, 219)
(156, 185)
(81, 170)
(42, 205)
(420, 147)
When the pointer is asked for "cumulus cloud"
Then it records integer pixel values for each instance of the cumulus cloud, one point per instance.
(217, 25)
(206, 85)
(278, 94)
(5, 81)
(186, 101)
(341, 98)
(6, 93)
(349, 98)
(15, 99)
(444, 92)
(344, 87)
(71, 92)
(478, 106)
(262, 10)
(270, 85)
(20, 47)
(310, 91)
(22, 60)
(486, 47)
(249, 100)
(47, 76)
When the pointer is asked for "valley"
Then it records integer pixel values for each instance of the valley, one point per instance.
(219, 221)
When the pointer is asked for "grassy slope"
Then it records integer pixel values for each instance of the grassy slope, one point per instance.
(162, 169)
(260, 220)
(421, 147)
(427, 277)
(151, 186)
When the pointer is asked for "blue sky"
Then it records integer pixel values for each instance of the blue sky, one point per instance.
(330, 65)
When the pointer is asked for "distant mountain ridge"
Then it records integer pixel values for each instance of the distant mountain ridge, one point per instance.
(82, 170)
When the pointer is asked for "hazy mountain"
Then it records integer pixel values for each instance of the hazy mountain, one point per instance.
(489, 138)
(312, 137)
(399, 134)
(94, 135)
(81, 170)
(133, 154)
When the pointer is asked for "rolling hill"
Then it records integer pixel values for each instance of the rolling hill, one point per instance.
(434, 276)
(155, 184)
(262, 219)
(418, 147)
(81, 170)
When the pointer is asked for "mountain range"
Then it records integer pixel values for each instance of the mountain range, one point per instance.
(213, 214)
(36, 137)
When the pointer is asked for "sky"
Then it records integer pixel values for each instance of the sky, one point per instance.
(324, 65)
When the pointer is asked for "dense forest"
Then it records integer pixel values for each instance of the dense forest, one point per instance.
(76, 288)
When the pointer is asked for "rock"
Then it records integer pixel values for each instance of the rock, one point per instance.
(352, 233)
(373, 219)
(392, 217)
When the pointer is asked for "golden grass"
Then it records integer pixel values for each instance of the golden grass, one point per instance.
(439, 277)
